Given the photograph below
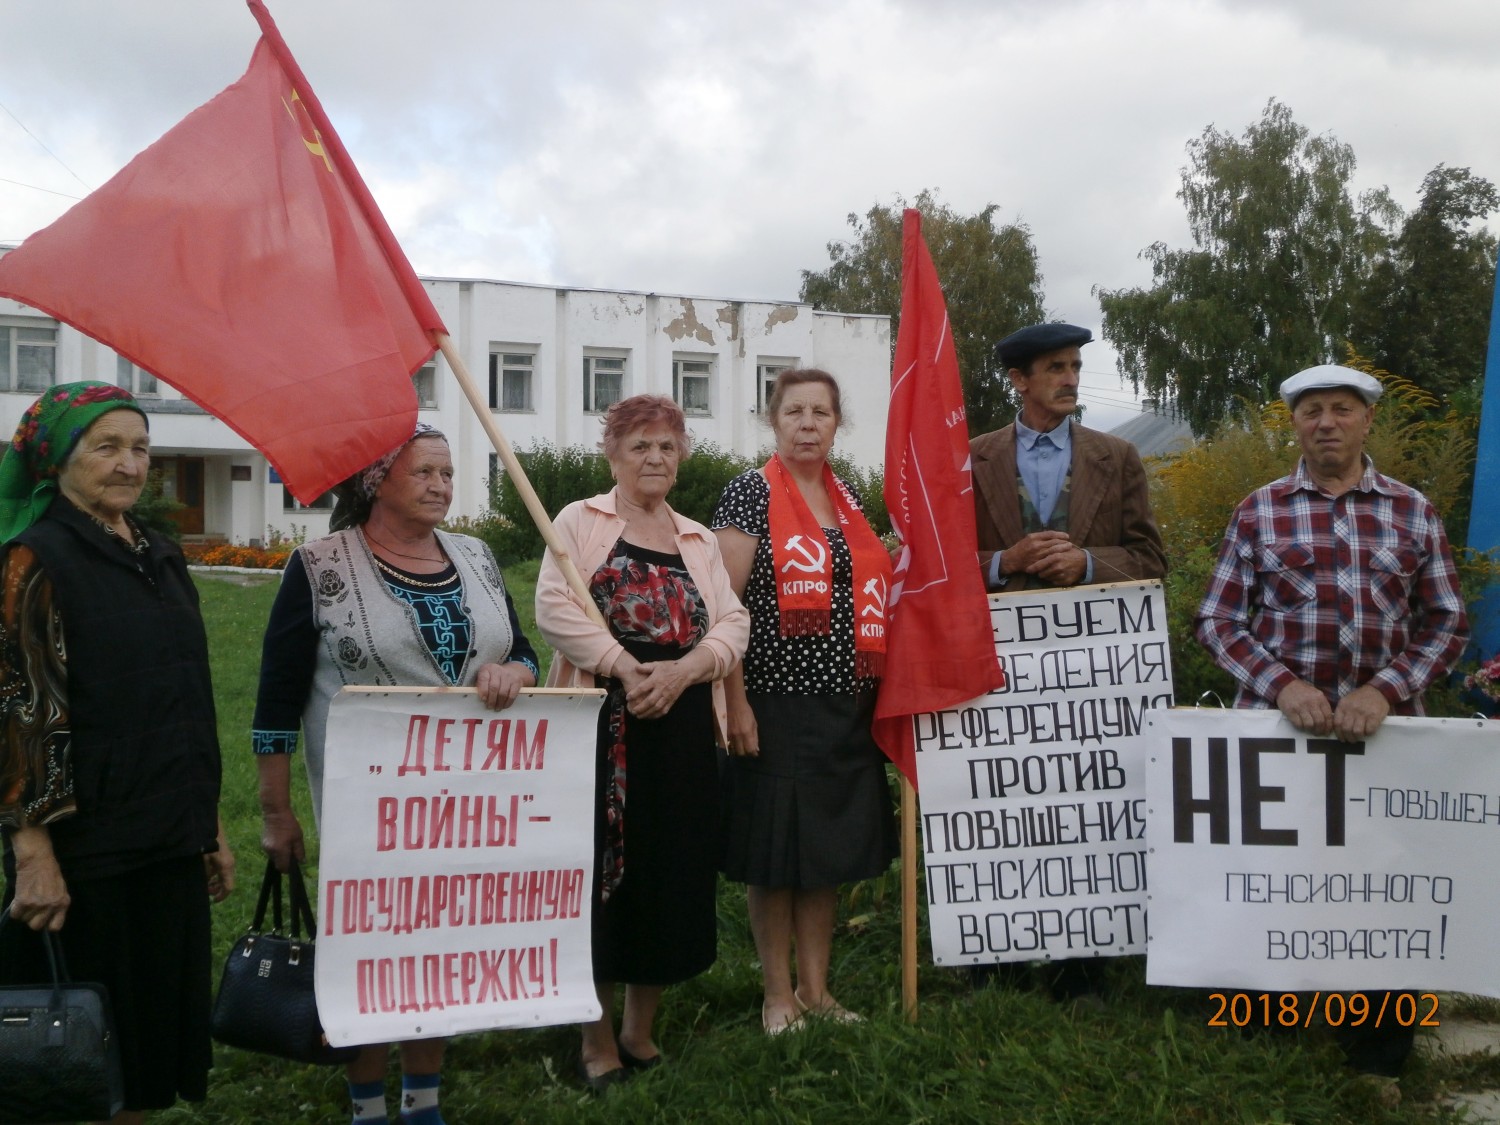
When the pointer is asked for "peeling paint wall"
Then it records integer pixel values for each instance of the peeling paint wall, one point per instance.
(782, 314)
(729, 317)
(688, 326)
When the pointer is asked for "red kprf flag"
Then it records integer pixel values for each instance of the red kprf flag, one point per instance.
(242, 259)
(940, 649)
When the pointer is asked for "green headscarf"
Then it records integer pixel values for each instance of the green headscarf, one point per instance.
(49, 430)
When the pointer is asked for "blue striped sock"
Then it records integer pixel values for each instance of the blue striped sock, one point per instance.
(419, 1099)
(368, 1102)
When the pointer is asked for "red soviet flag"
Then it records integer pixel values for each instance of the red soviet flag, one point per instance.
(242, 259)
(940, 649)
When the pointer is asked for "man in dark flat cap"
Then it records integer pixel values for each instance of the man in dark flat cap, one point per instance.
(1058, 504)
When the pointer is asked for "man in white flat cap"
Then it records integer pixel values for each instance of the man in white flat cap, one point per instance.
(1335, 597)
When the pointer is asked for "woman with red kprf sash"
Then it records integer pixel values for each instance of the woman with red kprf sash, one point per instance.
(807, 806)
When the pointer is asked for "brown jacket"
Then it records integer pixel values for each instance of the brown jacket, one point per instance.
(1109, 509)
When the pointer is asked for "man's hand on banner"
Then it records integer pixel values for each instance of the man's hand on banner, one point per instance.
(1050, 555)
(1360, 713)
(1305, 707)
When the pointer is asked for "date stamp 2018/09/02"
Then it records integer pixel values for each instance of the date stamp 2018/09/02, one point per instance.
(1338, 1009)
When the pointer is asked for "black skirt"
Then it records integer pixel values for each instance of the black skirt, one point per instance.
(145, 935)
(660, 925)
(814, 808)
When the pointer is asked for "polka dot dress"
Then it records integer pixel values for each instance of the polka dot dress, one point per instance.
(818, 665)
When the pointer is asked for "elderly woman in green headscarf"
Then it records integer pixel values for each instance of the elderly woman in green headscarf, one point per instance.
(109, 764)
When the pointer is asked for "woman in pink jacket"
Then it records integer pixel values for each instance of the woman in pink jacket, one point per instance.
(675, 629)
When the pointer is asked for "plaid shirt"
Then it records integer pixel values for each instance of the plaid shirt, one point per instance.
(1338, 591)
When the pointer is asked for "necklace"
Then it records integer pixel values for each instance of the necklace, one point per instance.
(401, 576)
(139, 547)
(402, 554)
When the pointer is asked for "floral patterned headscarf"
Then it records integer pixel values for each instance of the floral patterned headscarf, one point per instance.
(49, 430)
(353, 498)
(368, 480)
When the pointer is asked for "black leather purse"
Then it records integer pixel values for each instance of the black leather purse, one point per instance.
(59, 1059)
(265, 1001)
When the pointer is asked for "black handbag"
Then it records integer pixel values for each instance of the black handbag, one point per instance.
(59, 1058)
(265, 1001)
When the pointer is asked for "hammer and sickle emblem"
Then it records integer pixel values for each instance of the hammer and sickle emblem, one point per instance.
(812, 562)
(309, 132)
(875, 587)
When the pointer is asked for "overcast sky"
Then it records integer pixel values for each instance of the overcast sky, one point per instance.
(714, 149)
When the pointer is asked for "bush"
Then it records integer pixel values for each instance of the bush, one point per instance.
(155, 510)
(702, 477)
(559, 476)
(869, 485)
(494, 530)
(1194, 673)
(563, 475)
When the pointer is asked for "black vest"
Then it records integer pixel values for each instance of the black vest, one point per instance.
(145, 746)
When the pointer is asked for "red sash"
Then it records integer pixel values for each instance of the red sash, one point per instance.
(804, 567)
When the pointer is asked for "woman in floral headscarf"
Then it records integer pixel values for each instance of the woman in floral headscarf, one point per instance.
(433, 611)
(109, 764)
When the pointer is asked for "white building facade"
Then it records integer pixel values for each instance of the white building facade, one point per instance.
(549, 362)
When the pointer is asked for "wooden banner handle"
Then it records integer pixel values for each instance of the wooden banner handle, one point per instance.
(518, 477)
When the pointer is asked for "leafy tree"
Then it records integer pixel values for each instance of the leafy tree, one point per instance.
(1280, 252)
(989, 277)
(1426, 309)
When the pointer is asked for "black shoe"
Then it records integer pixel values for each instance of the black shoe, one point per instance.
(600, 1083)
(1078, 978)
(633, 1062)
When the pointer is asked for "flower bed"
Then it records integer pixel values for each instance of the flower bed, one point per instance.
(230, 554)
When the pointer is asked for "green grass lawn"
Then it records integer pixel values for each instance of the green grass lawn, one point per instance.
(998, 1055)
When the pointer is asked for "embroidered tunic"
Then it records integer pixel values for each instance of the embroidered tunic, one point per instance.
(343, 618)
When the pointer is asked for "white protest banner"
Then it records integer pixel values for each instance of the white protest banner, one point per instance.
(1287, 862)
(456, 863)
(1033, 796)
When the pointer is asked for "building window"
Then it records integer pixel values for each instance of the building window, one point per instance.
(691, 379)
(766, 371)
(510, 380)
(425, 380)
(134, 379)
(290, 503)
(603, 382)
(28, 354)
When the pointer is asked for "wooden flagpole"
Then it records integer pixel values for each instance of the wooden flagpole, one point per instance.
(575, 582)
(517, 475)
(908, 900)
